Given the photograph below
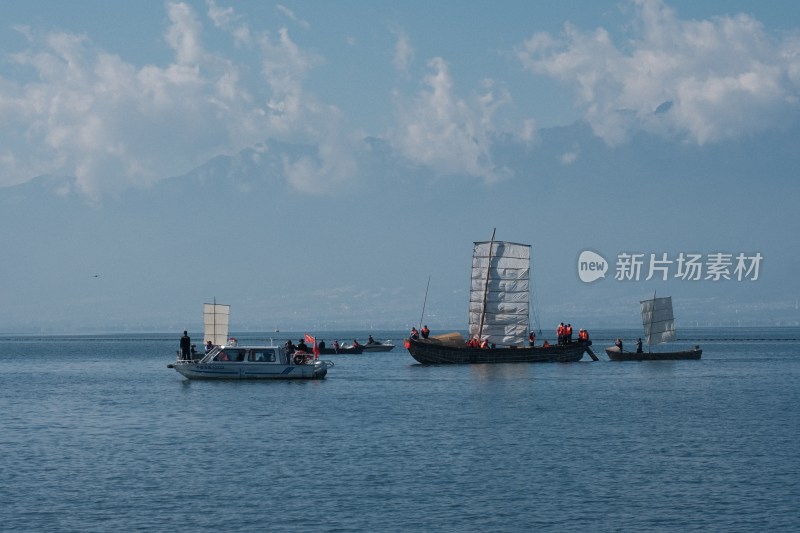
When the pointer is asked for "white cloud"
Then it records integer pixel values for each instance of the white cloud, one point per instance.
(295, 115)
(403, 52)
(720, 78)
(528, 130)
(226, 19)
(447, 133)
(184, 34)
(112, 125)
(568, 158)
(294, 18)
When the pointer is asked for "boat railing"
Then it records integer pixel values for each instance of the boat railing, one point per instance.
(193, 356)
(209, 356)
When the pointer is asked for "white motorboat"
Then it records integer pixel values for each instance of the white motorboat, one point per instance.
(225, 359)
(253, 362)
(376, 346)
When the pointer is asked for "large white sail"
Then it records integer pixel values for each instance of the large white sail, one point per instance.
(215, 323)
(498, 304)
(658, 320)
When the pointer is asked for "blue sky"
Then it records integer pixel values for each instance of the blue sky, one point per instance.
(406, 131)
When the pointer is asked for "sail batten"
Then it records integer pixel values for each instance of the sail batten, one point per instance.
(499, 302)
(658, 320)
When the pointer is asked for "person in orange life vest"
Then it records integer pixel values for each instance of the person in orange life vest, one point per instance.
(560, 333)
(568, 332)
(414, 333)
(355, 344)
(425, 331)
(484, 343)
(546, 344)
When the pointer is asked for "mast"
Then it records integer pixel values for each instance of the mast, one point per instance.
(215, 320)
(424, 302)
(486, 286)
(650, 325)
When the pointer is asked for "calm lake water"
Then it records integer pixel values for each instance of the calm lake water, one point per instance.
(97, 434)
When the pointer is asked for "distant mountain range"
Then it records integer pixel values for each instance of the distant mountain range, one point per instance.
(358, 255)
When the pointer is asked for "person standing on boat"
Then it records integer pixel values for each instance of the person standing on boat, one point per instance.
(414, 333)
(186, 346)
(321, 346)
(532, 339)
(289, 346)
(638, 345)
(568, 333)
(302, 346)
(425, 331)
(560, 333)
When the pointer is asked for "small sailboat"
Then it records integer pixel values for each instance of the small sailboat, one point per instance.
(659, 326)
(499, 320)
(224, 358)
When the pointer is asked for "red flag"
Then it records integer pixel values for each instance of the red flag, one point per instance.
(313, 340)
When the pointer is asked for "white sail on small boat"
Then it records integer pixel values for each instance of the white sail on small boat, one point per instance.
(658, 321)
(216, 318)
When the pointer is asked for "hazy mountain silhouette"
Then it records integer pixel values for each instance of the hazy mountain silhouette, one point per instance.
(359, 255)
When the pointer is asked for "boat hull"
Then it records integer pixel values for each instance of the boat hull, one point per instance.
(342, 351)
(433, 352)
(245, 370)
(615, 354)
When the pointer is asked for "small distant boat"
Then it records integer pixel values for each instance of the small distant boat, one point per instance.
(227, 360)
(659, 326)
(498, 315)
(343, 349)
(376, 346)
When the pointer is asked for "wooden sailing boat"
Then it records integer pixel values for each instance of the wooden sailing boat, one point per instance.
(659, 326)
(498, 314)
